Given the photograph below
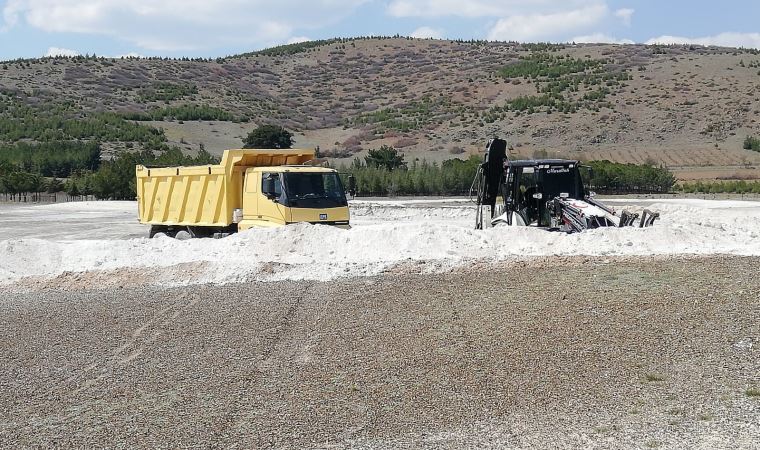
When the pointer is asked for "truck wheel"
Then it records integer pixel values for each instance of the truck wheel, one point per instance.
(183, 235)
(159, 235)
(154, 230)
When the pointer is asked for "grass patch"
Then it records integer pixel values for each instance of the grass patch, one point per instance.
(564, 84)
(182, 112)
(164, 91)
(546, 65)
(45, 118)
(753, 392)
(411, 116)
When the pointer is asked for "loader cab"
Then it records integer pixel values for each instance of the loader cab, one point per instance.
(530, 184)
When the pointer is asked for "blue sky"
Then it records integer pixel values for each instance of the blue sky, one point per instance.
(33, 28)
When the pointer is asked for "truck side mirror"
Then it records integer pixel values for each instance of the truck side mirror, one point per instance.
(352, 185)
(268, 186)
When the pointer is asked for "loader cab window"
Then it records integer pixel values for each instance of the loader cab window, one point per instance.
(527, 206)
(561, 179)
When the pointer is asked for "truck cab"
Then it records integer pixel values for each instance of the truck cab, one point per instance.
(274, 196)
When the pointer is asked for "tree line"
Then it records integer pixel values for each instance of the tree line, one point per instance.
(384, 172)
(115, 179)
(51, 159)
(451, 177)
(751, 143)
(617, 178)
(721, 187)
(43, 118)
(37, 167)
(14, 183)
(111, 180)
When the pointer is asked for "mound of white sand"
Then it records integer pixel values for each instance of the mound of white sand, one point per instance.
(430, 235)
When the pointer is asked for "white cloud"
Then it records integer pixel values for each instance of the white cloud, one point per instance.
(728, 39)
(625, 15)
(427, 32)
(173, 25)
(482, 8)
(518, 20)
(56, 51)
(546, 26)
(299, 39)
(600, 38)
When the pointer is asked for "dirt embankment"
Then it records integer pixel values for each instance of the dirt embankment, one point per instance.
(560, 352)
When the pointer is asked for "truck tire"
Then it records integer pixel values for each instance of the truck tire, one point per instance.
(157, 231)
(183, 235)
(159, 235)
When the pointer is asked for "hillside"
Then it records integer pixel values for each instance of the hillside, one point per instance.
(689, 108)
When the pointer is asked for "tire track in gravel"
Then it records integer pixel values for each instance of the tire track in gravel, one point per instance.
(283, 328)
(139, 342)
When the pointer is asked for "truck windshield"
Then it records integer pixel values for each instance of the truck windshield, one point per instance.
(314, 190)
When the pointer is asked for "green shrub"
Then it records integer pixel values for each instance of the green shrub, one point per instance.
(752, 143)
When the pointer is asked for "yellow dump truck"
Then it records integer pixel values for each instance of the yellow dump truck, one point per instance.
(249, 188)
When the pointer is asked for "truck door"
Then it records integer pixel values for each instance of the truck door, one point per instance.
(271, 209)
(257, 208)
(251, 195)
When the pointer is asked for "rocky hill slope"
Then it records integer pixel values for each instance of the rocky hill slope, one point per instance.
(690, 108)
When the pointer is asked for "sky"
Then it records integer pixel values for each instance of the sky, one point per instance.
(212, 28)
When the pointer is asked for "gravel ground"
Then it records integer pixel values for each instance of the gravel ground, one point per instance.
(550, 353)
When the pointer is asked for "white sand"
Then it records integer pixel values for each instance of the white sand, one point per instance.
(432, 236)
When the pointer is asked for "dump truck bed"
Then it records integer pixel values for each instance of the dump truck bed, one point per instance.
(204, 195)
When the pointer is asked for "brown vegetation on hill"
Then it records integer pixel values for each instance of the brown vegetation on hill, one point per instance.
(689, 108)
